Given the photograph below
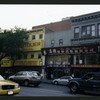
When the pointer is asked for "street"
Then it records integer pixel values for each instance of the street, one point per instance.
(49, 90)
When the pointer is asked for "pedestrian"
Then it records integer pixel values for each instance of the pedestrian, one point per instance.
(51, 76)
(73, 75)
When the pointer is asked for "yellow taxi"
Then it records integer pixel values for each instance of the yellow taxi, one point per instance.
(8, 87)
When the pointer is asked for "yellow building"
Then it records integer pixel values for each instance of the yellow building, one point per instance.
(32, 58)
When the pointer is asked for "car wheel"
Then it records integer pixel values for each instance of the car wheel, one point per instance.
(26, 83)
(56, 83)
(74, 88)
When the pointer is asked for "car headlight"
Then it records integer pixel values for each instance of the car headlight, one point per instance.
(16, 85)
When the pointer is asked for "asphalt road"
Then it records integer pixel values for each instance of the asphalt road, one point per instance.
(46, 90)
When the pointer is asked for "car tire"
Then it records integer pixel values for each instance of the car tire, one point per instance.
(74, 88)
(55, 82)
(26, 83)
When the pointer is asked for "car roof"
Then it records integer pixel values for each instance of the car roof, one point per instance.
(65, 76)
(95, 73)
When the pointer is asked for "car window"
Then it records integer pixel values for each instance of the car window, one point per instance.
(24, 73)
(30, 73)
(88, 76)
(68, 77)
(65, 77)
(1, 78)
(19, 73)
(38, 74)
(97, 77)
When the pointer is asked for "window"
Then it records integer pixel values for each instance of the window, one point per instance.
(39, 55)
(98, 29)
(33, 37)
(88, 76)
(40, 36)
(93, 30)
(60, 42)
(83, 31)
(32, 56)
(88, 30)
(19, 56)
(52, 43)
(25, 56)
(76, 32)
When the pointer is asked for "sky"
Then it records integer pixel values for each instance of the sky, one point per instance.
(29, 15)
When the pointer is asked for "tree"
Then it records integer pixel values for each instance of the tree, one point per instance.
(11, 43)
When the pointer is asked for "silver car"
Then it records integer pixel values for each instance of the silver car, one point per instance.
(62, 80)
(25, 78)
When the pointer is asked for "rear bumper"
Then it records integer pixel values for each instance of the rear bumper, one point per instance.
(35, 82)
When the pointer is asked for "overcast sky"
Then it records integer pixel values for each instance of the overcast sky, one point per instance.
(26, 16)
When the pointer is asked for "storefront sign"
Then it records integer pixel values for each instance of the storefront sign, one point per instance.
(70, 50)
(27, 63)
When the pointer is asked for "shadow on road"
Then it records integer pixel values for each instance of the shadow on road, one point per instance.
(86, 93)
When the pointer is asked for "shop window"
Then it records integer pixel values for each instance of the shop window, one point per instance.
(91, 59)
(76, 32)
(60, 42)
(98, 59)
(80, 59)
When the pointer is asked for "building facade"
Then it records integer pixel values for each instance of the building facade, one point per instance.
(56, 60)
(86, 30)
(31, 59)
(53, 47)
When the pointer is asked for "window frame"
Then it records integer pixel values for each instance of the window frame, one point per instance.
(98, 29)
(76, 33)
(33, 37)
(32, 55)
(88, 31)
(40, 36)
(52, 43)
(60, 42)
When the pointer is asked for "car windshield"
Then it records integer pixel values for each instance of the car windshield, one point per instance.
(1, 78)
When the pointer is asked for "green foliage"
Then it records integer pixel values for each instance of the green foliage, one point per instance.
(11, 42)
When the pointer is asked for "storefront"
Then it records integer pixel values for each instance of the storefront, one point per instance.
(59, 60)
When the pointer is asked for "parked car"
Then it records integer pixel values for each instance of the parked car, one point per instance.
(37, 74)
(8, 87)
(62, 80)
(25, 78)
(90, 81)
